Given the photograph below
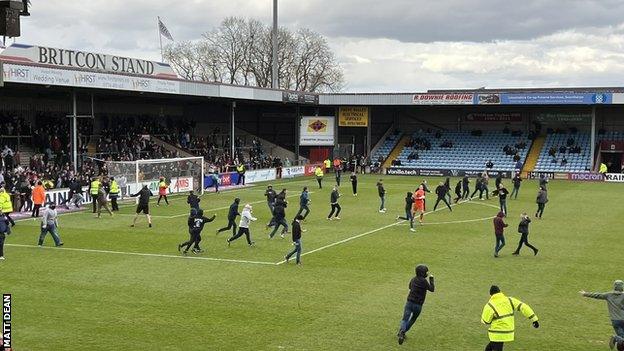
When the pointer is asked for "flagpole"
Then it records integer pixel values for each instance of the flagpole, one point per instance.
(162, 59)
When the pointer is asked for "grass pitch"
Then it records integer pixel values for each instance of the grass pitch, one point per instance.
(116, 287)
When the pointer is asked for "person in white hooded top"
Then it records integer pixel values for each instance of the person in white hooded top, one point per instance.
(243, 226)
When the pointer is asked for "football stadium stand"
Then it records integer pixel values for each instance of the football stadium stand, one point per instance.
(559, 154)
(466, 151)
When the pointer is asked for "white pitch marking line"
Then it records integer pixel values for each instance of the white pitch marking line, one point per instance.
(144, 254)
(364, 234)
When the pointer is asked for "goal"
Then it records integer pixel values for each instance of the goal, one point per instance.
(182, 174)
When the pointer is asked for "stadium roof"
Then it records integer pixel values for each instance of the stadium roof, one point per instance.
(38, 65)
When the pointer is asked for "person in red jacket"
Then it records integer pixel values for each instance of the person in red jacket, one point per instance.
(499, 229)
(162, 191)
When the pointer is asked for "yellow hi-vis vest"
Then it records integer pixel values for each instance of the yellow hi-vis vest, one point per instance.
(603, 168)
(498, 313)
(95, 187)
(318, 172)
(240, 169)
(114, 188)
(327, 163)
(5, 202)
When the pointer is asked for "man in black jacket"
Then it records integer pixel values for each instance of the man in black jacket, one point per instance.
(381, 191)
(196, 224)
(465, 187)
(458, 191)
(193, 200)
(523, 229)
(232, 214)
(441, 190)
(409, 216)
(296, 238)
(419, 285)
(517, 181)
(270, 195)
(354, 181)
(335, 206)
(279, 214)
(502, 197)
(143, 206)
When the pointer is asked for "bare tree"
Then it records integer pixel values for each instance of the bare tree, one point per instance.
(239, 52)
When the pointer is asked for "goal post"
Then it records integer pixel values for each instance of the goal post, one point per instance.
(181, 174)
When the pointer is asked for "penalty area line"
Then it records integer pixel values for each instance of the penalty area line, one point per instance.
(145, 254)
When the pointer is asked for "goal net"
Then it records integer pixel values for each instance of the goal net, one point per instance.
(181, 174)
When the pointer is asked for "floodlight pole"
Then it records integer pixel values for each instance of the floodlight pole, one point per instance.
(274, 72)
(593, 137)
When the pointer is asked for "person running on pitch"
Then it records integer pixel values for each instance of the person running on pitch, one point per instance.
(49, 224)
(196, 222)
(270, 194)
(335, 206)
(354, 182)
(296, 238)
(517, 181)
(102, 202)
(243, 226)
(419, 204)
(447, 184)
(498, 315)
(465, 187)
(418, 286)
(232, 214)
(143, 206)
(502, 197)
(409, 216)
(499, 232)
(458, 191)
(442, 190)
(304, 201)
(542, 199)
(478, 188)
(279, 215)
(193, 200)
(162, 191)
(114, 194)
(381, 191)
(523, 229)
(615, 303)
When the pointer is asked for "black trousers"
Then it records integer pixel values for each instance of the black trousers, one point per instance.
(320, 180)
(540, 210)
(444, 200)
(241, 178)
(2, 236)
(480, 190)
(162, 197)
(193, 239)
(114, 204)
(231, 225)
(459, 196)
(94, 202)
(354, 187)
(495, 346)
(338, 178)
(9, 219)
(336, 208)
(524, 239)
(465, 193)
(240, 233)
(35, 211)
(303, 208)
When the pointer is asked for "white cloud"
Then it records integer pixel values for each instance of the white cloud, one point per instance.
(570, 58)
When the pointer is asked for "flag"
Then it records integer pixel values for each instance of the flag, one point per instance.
(163, 30)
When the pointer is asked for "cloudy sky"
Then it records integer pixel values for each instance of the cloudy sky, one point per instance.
(383, 45)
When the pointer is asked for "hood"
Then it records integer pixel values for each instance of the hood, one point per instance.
(618, 285)
(500, 214)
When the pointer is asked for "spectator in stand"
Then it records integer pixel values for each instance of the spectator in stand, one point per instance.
(489, 164)
(564, 161)
(562, 149)
(552, 151)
